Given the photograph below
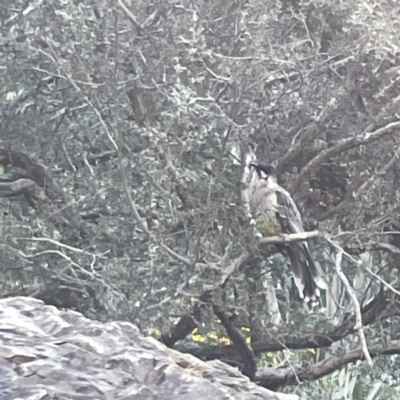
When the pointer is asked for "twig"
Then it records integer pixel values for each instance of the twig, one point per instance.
(59, 244)
(390, 287)
(73, 83)
(176, 255)
(357, 308)
(94, 109)
(139, 219)
(233, 266)
(357, 262)
(129, 14)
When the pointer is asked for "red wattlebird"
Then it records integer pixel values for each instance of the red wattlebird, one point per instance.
(276, 214)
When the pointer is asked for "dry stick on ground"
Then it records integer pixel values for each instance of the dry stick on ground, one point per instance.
(357, 307)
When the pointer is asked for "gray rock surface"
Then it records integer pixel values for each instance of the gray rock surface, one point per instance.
(50, 354)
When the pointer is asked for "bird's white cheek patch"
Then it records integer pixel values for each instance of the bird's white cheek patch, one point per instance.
(263, 175)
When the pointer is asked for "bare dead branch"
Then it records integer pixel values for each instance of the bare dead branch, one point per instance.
(176, 255)
(386, 247)
(274, 377)
(233, 266)
(357, 309)
(363, 187)
(128, 14)
(388, 285)
(343, 145)
(358, 262)
(311, 132)
(295, 237)
(248, 157)
(56, 243)
(275, 316)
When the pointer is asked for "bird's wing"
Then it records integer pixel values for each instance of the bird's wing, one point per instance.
(288, 214)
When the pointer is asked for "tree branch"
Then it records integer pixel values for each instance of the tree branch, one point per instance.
(343, 145)
(363, 187)
(274, 377)
(311, 132)
(239, 341)
(299, 340)
(295, 237)
(233, 266)
(358, 262)
(129, 14)
(357, 309)
(184, 327)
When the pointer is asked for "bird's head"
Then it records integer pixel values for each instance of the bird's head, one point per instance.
(264, 171)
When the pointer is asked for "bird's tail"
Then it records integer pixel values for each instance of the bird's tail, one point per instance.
(307, 274)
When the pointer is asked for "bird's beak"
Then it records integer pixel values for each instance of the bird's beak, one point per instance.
(255, 165)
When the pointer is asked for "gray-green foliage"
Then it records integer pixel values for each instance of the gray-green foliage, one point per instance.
(179, 87)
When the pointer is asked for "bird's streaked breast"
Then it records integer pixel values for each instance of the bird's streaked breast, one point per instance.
(263, 204)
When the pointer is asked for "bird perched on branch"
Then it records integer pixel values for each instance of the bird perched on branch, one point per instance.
(276, 214)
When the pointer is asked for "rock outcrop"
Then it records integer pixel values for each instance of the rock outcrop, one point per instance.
(46, 353)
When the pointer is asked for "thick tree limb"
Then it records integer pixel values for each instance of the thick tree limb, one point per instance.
(179, 331)
(33, 171)
(238, 262)
(300, 340)
(274, 377)
(239, 341)
(21, 186)
(314, 130)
